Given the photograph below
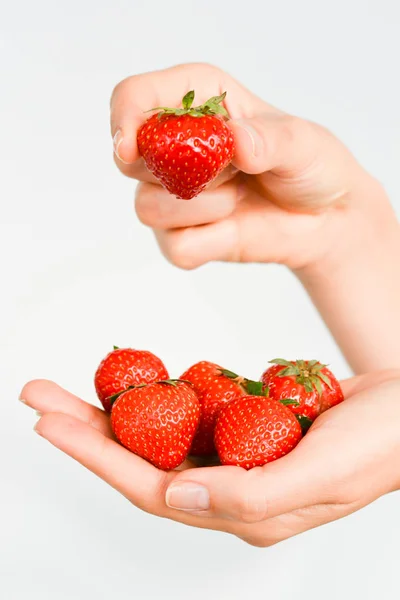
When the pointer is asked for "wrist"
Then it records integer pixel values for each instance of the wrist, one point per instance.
(362, 233)
(356, 285)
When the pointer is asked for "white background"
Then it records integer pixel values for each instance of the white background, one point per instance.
(79, 274)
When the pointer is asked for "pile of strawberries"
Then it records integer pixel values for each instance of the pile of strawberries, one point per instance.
(211, 411)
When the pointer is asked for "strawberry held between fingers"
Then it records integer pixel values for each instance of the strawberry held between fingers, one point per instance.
(125, 367)
(157, 421)
(186, 148)
(252, 431)
(309, 382)
(215, 387)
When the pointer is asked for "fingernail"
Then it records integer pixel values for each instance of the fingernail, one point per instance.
(117, 141)
(255, 138)
(22, 400)
(187, 496)
(39, 414)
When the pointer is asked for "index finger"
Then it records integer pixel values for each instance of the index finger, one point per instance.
(140, 93)
(129, 474)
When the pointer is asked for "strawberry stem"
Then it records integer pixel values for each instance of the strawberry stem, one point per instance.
(289, 402)
(212, 106)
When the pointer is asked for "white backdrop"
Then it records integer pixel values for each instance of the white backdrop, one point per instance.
(74, 261)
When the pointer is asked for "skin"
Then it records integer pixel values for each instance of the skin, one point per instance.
(294, 196)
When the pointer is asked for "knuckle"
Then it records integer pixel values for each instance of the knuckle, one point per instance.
(258, 541)
(253, 502)
(144, 207)
(251, 509)
(178, 251)
(295, 127)
(208, 68)
(119, 89)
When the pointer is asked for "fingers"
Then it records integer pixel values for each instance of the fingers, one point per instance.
(357, 384)
(287, 150)
(156, 208)
(193, 247)
(48, 397)
(137, 94)
(273, 141)
(296, 481)
(132, 476)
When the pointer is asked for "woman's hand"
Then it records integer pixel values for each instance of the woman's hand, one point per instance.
(293, 191)
(347, 460)
(295, 195)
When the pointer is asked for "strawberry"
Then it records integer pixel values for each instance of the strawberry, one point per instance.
(186, 148)
(215, 387)
(125, 367)
(309, 382)
(157, 421)
(252, 431)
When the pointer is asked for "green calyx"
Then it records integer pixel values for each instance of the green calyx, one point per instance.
(213, 106)
(305, 423)
(115, 397)
(307, 373)
(252, 388)
(289, 402)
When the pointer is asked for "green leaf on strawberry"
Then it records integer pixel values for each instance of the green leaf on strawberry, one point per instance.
(305, 423)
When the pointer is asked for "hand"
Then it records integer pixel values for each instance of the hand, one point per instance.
(295, 195)
(347, 460)
(293, 191)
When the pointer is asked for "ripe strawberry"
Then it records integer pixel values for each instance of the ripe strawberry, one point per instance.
(310, 383)
(157, 421)
(252, 431)
(125, 367)
(186, 148)
(215, 387)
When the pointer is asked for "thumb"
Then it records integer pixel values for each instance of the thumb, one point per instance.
(296, 151)
(303, 165)
(295, 481)
(274, 142)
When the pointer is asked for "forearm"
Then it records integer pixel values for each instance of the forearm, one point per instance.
(357, 288)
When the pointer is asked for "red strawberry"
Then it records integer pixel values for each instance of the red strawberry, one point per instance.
(157, 421)
(124, 367)
(310, 383)
(186, 148)
(252, 431)
(215, 387)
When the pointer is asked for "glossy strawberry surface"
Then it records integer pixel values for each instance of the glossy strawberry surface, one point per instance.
(124, 367)
(185, 152)
(252, 431)
(213, 391)
(157, 422)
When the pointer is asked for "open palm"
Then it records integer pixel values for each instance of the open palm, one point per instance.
(343, 463)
